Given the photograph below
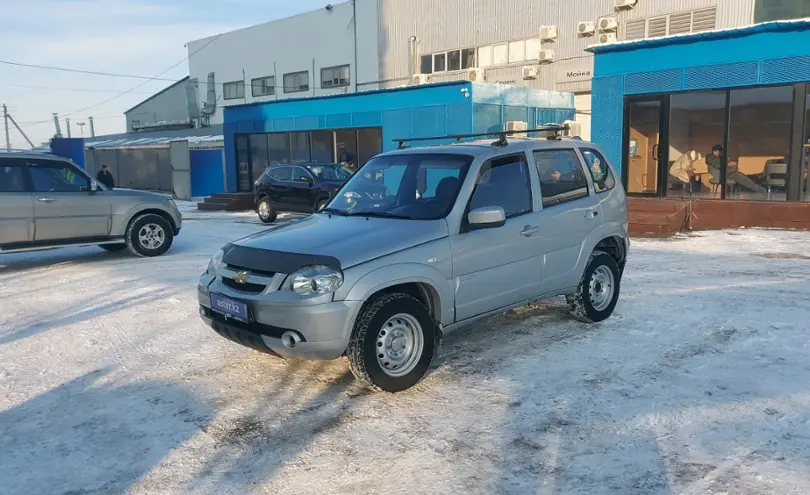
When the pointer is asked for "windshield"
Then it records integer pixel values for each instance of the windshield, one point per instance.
(415, 187)
(330, 172)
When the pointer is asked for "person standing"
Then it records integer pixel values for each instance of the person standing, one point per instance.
(105, 177)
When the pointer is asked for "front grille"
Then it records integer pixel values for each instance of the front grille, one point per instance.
(252, 271)
(247, 287)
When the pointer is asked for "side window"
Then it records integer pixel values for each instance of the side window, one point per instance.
(280, 173)
(603, 179)
(12, 177)
(299, 174)
(562, 178)
(54, 176)
(504, 182)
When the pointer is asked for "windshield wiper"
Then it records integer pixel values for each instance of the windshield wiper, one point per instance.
(333, 211)
(378, 214)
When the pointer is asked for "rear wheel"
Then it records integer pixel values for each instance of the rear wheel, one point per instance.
(598, 291)
(266, 212)
(149, 235)
(392, 344)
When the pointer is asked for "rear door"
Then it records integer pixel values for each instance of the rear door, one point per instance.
(302, 189)
(16, 205)
(65, 208)
(279, 186)
(498, 267)
(570, 212)
(612, 201)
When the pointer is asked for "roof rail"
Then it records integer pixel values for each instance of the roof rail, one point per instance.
(557, 129)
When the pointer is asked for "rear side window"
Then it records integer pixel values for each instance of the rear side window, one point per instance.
(54, 176)
(562, 177)
(280, 173)
(12, 177)
(504, 182)
(603, 179)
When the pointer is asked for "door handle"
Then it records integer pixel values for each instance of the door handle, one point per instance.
(46, 200)
(528, 231)
(655, 150)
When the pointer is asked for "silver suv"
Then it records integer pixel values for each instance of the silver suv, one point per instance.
(47, 201)
(422, 241)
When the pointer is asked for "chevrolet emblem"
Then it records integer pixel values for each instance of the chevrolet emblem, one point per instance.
(241, 277)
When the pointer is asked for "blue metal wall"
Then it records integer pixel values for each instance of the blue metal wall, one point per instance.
(422, 111)
(207, 176)
(772, 53)
(72, 148)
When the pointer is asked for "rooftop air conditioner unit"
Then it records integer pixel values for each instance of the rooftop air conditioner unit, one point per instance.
(625, 4)
(586, 28)
(530, 73)
(607, 38)
(546, 56)
(517, 125)
(475, 75)
(574, 129)
(608, 24)
(420, 79)
(548, 33)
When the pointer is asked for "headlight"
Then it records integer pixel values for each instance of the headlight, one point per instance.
(316, 279)
(215, 263)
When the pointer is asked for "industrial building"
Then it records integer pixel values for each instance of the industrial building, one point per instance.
(365, 45)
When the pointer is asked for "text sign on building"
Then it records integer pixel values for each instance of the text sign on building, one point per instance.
(574, 75)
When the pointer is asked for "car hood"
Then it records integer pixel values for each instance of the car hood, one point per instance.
(347, 240)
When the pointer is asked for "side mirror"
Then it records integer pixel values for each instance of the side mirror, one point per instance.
(488, 217)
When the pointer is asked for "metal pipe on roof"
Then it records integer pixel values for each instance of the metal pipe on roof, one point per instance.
(92, 127)
(67, 125)
(56, 125)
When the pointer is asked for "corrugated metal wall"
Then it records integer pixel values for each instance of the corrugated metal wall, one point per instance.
(452, 24)
(134, 168)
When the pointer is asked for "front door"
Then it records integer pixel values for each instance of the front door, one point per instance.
(16, 206)
(644, 148)
(64, 206)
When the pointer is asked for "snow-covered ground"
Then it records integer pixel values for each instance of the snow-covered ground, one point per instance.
(700, 383)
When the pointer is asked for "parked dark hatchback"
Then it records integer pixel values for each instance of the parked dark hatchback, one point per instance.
(297, 187)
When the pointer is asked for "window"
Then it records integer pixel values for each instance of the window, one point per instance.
(329, 172)
(439, 62)
(300, 175)
(561, 176)
(485, 56)
(500, 54)
(759, 143)
(468, 58)
(11, 177)
(805, 176)
(346, 147)
(278, 148)
(263, 86)
(370, 143)
(335, 77)
(53, 176)
(389, 186)
(774, 10)
(533, 47)
(258, 155)
(323, 148)
(299, 147)
(504, 182)
(233, 90)
(296, 82)
(517, 51)
(454, 60)
(426, 64)
(603, 179)
(432, 176)
(281, 173)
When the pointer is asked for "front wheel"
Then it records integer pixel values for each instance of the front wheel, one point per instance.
(392, 343)
(320, 204)
(598, 292)
(149, 235)
(266, 212)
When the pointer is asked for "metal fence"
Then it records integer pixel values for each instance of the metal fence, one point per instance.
(135, 168)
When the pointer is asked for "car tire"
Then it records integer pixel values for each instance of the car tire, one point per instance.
(598, 291)
(265, 210)
(149, 235)
(392, 344)
(113, 248)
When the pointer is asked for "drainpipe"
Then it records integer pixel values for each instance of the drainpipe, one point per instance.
(354, 22)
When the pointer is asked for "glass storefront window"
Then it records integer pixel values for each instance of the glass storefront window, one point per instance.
(278, 148)
(258, 155)
(759, 143)
(369, 143)
(322, 146)
(299, 147)
(696, 126)
(805, 174)
(346, 147)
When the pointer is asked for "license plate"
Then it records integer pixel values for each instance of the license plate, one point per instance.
(229, 307)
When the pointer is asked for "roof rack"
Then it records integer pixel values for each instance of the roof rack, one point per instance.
(557, 129)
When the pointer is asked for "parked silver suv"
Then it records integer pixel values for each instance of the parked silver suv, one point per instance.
(47, 201)
(419, 242)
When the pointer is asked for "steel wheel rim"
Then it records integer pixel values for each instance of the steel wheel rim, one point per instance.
(399, 345)
(151, 236)
(601, 288)
(264, 210)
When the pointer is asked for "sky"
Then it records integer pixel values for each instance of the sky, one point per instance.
(139, 37)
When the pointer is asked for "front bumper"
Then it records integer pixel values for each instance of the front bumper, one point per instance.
(324, 328)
